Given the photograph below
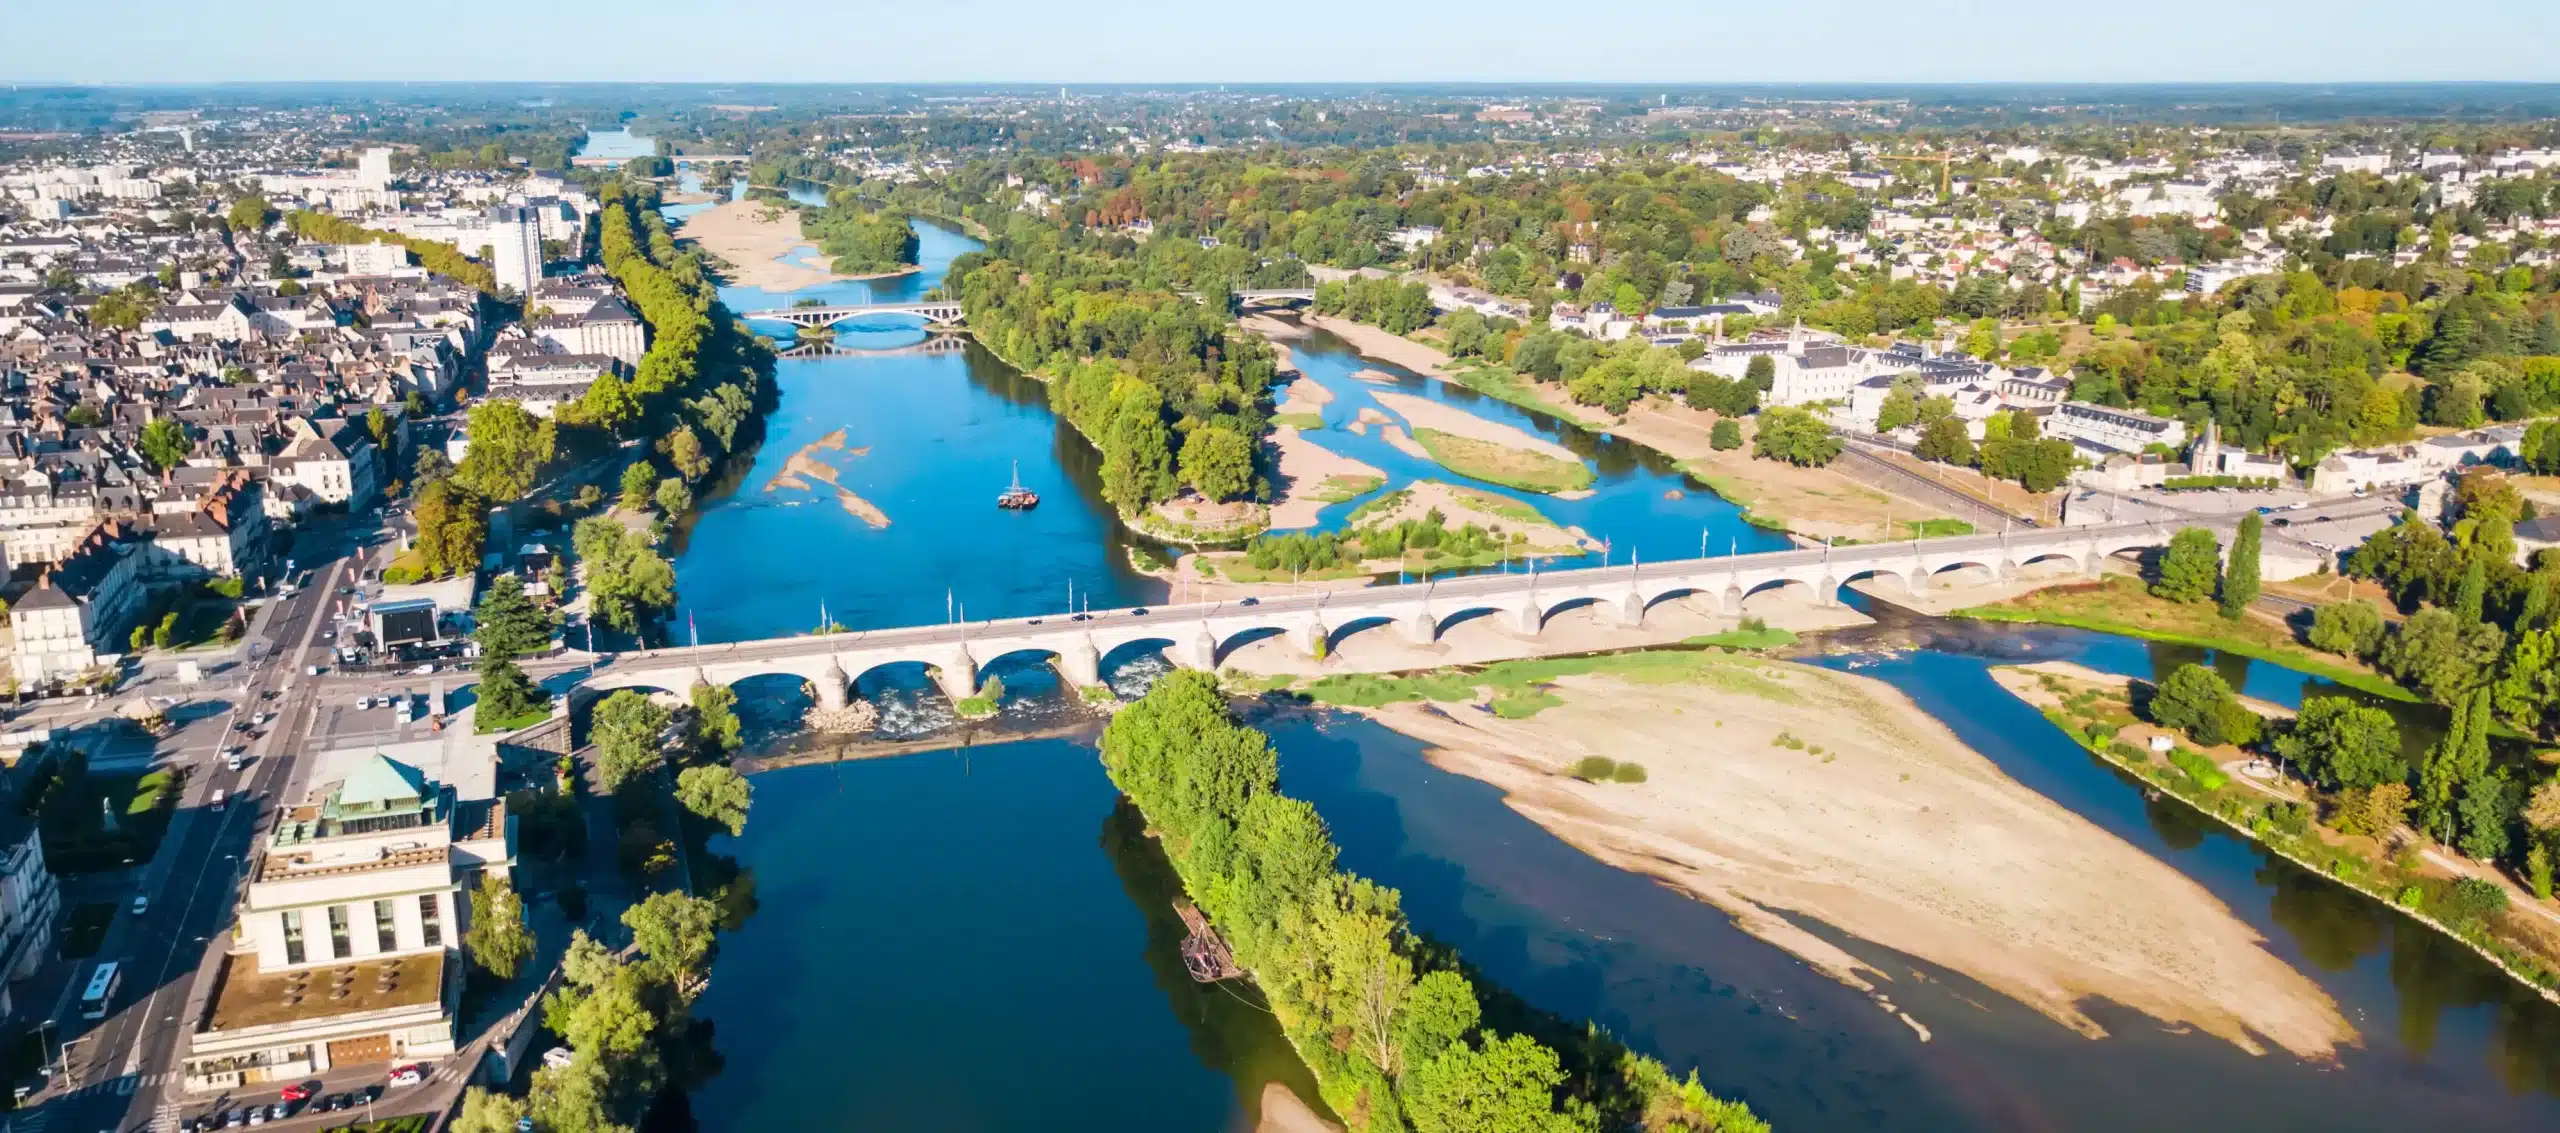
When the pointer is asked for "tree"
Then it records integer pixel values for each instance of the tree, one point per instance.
(677, 931)
(2191, 568)
(2240, 578)
(251, 214)
(2440, 655)
(627, 579)
(1218, 461)
(716, 794)
(498, 940)
(684, 450)
(1506, 1086)
(2343, 745)
(1761, 372)
(1727, 435)
(673, 497)
(629, 731)
(486, 1112)
(2458, 757)
(639, 484)
(507, 624)
(1795, 436)
(2376, 812)
(1945, 441)
(508, 449)
(1901, 407)
(715, 718)
(608, 404)
(2353, 628)
(506, 694)
(2194, 699)
(453, 526)
(2471, 593)
(165, 443)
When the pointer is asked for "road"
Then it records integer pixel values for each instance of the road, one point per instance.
(121, 1073)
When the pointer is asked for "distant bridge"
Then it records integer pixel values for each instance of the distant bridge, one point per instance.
(681, 160)
(938, 312)
(938, 344)
(1201, 635)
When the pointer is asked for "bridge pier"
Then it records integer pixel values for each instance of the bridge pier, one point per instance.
(957, 673)
(1313, 638)
(1624, 613)
(832, 687)
(1080, 664)
(1201, 652)
(1826, 592)
(1421, 628)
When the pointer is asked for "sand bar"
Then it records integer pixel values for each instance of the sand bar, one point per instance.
(753, 246)
(1424, 413)
(1892, 831)
(1383, 346)
(1402, 442)
(1304, 467)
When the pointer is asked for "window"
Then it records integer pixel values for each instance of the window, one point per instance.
(386, 935)
(429, 920)
(338, 930)
(293, 936)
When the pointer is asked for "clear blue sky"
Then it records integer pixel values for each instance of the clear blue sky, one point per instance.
(178, 41)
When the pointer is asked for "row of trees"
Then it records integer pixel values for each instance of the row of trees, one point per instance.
(1393, 1030)
(323, 228)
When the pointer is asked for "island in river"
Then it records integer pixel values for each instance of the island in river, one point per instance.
(1774, 790)
(762, 245)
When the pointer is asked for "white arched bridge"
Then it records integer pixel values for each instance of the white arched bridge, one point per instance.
(1201, 635)
(939, 343)
(937, 312)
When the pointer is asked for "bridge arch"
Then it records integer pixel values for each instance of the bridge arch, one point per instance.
(1974, 571)
(1249, 636)
(1336, 634)
(1772, 593)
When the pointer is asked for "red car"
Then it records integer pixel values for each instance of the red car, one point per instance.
(297, 1093)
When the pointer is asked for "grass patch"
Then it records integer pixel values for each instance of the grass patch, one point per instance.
(1498, 506)
(1241, 569)
(1380, 506)
(85, 929)
(72, 808)
(1097, 694)
(1500, 464)
(412, 1123)
(2123, 606)
(487, 725)
(1301, 421)
(1340, 489)
(1521, 689)
(975, 708)
(1501, 384)
(1762, 637)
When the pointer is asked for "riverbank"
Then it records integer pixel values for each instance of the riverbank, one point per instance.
(2122, 606)
(1773, 788)
(1310, 477)
(1813, 502)
(2398, 868)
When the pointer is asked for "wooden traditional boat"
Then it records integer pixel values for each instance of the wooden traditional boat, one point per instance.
(1017, 497)
(1204, 953)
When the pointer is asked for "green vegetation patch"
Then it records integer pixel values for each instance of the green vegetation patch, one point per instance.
(1602, 769)
(412, 1123)
(2122, 606)
(489, 725)
(1761, 637)
(1302, 421)
(1502, 464)
(1498, 506)
(1339, 489)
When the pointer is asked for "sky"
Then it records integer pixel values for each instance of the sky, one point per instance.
(857, 41)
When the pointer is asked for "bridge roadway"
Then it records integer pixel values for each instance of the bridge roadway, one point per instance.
(1200, 635)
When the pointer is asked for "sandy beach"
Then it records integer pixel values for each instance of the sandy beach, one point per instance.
(1304, 468)
(752, 246)
(1780, 787)
(1379, 344)
(1460, 506)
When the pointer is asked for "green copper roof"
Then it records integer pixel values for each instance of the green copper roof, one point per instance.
(379, 782)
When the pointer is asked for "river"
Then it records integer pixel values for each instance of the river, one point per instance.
(978, 940)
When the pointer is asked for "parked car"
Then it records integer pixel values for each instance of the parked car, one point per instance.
(221, 798)
(300, 1091)
(257, 1115)
(409, 1075)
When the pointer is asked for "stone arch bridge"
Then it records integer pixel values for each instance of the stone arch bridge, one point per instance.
(1201, 635)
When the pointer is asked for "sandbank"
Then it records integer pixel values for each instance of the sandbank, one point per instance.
(1424, 413)
(1385, 347)
(752, 247)
(1397, 439)
(804, 467)
(1460, 506)
(1774, 787)
(1303, 469)
(1282, 1112)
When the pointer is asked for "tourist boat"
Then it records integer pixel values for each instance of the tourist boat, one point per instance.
(1017, 497)
(1204, 954)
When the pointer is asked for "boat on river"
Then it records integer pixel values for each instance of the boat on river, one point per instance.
(1204, 953)
(1017, 497)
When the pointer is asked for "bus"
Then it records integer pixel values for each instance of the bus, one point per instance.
(103, 983)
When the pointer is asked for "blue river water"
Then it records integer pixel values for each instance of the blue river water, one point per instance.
(975, 940)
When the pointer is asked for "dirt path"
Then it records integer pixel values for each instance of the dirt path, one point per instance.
(1780, 787)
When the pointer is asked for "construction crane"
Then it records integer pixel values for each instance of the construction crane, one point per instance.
(1944, 161)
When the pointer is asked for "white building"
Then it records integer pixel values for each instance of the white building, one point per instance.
(346, 947)
(515, 248)
(30, 902)
(2113, 430)
(373, 169)
(79, 611)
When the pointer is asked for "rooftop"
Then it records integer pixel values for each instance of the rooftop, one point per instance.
(246, 997)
